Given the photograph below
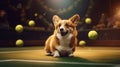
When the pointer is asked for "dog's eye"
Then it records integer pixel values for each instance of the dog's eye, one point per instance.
(66, 25)
(59, 25)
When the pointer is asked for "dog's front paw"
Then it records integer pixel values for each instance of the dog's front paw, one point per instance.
(56, 54)
(48, 54)
(70, 55)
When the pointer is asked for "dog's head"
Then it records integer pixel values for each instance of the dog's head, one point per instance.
(65, 27)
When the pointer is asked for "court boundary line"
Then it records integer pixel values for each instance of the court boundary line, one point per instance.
(56, 62)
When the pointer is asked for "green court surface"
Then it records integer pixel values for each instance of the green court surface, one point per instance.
(83, 57)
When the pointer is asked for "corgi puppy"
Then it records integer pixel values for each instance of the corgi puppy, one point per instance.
(64, 39)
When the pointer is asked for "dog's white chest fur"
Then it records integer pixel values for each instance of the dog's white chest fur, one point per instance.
(64, 42)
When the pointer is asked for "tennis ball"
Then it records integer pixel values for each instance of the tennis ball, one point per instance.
(19, 28)
(82, 43)
(31, 23)
(19, 43)
(92, 34)
(88, 20)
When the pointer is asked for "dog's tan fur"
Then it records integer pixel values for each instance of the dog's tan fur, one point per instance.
(58, 45)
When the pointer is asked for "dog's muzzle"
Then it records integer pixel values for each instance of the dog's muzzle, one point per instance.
(63, 33)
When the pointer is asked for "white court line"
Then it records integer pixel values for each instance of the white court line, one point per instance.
(55, 62)
(75, 51)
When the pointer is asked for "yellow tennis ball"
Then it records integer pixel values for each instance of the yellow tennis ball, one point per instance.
(88, 20)
(19, 43)
(82, 43)
(19, 28)
(92, 34)
(31, 23)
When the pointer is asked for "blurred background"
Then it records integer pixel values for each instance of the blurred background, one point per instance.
(105, 15)
(13, 12)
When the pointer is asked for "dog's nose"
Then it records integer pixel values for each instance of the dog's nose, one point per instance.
(61, 29)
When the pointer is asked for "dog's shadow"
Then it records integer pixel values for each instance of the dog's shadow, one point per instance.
(73, 62)
(73, 59)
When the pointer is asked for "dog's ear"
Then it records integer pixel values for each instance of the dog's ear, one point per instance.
(56, 19)
(75, 19)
